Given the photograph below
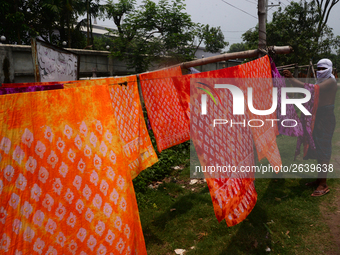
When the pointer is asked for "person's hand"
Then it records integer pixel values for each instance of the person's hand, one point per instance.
(287, 74)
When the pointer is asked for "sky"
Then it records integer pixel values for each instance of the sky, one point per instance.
(234, 21)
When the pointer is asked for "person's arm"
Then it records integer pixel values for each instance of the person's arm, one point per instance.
(295, 82)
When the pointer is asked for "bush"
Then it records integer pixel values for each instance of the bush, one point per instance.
(174, 156)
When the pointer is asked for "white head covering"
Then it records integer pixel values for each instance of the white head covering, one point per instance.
(323, 75)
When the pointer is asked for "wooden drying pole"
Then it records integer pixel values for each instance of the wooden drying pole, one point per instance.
(225, 57)
(262, 27)
(234, 55)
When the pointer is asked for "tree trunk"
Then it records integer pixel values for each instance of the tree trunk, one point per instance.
(68, 30)
(87, 18)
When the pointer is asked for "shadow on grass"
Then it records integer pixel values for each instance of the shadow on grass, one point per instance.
(150, 237)
(283, 197)
(283, 204)
(182, 206)
(253, 236)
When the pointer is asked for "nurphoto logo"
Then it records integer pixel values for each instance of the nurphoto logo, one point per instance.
(238, 100)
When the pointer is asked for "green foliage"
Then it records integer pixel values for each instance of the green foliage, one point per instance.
(161, 32)
(78, 39)
(22, 19)
(237, 47)
(297, 26)
(213, 39)
(174, 156)
(17, 20)
(116, 11)
(100, 42)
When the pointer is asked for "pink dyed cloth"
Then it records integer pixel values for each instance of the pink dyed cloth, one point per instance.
(279, 82)
(5, 91)
(308, 121)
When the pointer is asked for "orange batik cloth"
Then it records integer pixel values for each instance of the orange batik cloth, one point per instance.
(129, 118)
(167, 118)
(258, 76)
(128, 114)
(80, 83)
(233, 194)
(64, 184)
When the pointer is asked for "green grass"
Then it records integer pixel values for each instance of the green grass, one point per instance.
(286, 218)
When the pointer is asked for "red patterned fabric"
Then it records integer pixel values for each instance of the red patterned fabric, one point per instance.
(265, 136)
(167, 119)
(233, 194)
(257, 75)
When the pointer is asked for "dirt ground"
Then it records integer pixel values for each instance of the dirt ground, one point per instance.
(331, 214)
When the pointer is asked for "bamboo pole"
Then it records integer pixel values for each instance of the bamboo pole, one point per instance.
(313, 72)
(292, 66)
(285, 66)
(234, 55)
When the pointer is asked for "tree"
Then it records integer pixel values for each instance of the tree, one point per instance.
(92, 9)
(17, 22)
(324, 8)
(65, 14)
(296, 25)
(158, 32)
(116, 11)
(237, 47)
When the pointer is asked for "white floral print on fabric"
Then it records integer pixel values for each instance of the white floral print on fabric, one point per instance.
(49, 134)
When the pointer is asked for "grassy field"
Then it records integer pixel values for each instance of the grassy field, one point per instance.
(286, 219)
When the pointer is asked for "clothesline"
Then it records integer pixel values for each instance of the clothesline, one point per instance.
(218, 58)
(234, 55)
(109, 134)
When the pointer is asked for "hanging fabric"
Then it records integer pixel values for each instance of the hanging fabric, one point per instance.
(308, 121)
(233, 194)
(82, 83)
(65, 187)
(257, 75)
(29, 84)
(6, 91)
(167, 118)
(129, 118)
(132, 130)
(279, 82)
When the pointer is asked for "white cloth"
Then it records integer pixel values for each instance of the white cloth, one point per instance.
(324, 74)
(193, 70)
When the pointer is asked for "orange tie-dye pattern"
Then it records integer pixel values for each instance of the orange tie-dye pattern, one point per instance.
(129, 118)
(81, 83)
(60, 192)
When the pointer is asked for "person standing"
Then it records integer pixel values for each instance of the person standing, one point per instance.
(324, 122)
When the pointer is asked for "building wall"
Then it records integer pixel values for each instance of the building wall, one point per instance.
(16, 64)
